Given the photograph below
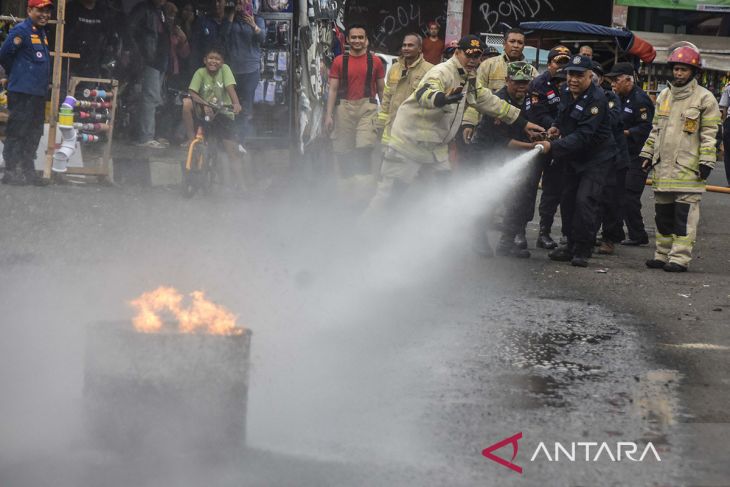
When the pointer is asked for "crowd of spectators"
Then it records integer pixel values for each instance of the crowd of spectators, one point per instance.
(157, 46)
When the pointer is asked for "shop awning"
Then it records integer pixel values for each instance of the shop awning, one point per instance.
(715, 50)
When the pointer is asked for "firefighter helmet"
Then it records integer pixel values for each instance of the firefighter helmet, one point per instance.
(685, 55)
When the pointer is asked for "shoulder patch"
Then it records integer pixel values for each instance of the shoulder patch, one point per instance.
(594, 111)
(644, 115)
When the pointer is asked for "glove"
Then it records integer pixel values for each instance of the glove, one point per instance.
(441, 99)
(705, 171)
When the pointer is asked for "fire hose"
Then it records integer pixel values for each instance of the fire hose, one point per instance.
(709, 187)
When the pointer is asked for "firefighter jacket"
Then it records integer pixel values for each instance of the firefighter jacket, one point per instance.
(682, 137)
(492, 73)
(421, 130)
(399, 84)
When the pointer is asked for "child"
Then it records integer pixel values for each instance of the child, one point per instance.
(214, 84)
(25, 57)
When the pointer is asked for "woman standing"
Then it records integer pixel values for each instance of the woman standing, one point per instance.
(244, 33)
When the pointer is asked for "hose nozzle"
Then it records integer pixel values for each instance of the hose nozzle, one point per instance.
(539, 148)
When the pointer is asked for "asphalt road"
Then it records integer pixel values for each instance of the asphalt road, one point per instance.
(403, 382)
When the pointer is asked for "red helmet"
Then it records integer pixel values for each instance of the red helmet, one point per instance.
(685, 55)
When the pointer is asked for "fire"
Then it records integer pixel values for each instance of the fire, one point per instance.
(167, 304)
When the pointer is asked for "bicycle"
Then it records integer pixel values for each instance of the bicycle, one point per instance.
(200, 165)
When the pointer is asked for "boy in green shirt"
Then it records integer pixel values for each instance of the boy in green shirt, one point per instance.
(214, 84)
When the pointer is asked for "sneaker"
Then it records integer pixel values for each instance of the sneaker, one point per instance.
(674, 267)
(655, 264)
(150, 144)
(163, 141)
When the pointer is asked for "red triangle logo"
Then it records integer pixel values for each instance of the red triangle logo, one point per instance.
(487, 452)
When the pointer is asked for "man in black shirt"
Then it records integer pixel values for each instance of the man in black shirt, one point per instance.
(587, 148)
(89, 33)
(493, 136)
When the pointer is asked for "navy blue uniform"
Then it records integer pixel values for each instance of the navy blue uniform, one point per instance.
(637, 115)
(587, 148)
(541, 107)
(610, 213)
(28, 66)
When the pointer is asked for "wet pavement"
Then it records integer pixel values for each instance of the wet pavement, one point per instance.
(350, 385)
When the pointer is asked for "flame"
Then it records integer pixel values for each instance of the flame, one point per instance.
(166, 304)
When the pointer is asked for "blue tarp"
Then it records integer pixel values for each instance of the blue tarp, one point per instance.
(577, 28)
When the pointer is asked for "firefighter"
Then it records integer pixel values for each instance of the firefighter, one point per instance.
(430, 118)
(636, 114)
(25, 57)
(542, 108)
(680, 152)
(587, 148)
(492, 73)
(402, 80)
(355, 78)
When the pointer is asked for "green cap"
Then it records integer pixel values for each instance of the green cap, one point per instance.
(519, 71)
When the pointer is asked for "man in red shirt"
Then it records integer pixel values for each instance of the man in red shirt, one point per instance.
(433, 45)
(355, 78)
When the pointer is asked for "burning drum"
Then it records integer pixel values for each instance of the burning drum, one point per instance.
(162, 384)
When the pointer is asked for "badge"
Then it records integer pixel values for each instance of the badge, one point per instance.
(594, 111)
(611, 104)
(576, 60)
(644, 116)
(690, 125)
(38, 54)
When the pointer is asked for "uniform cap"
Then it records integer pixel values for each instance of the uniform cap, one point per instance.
(519, 71)
(598, 68)
(621, 68)
(579, 64)
(39, 3)
(471, 45)
(559, 54)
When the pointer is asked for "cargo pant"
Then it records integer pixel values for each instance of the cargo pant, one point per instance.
(580, 205)
(354, 135)
(23, 131)
(677, 216)
(635, 183)
(396, 174)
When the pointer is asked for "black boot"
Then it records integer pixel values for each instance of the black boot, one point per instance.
(655, 264)
(521, 240)
(544, 241)
(508, 248)
(674, 267)
(561, 254)
(579, 261)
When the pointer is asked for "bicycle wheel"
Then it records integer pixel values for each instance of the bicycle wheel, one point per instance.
(191, 177)
(209, 169)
